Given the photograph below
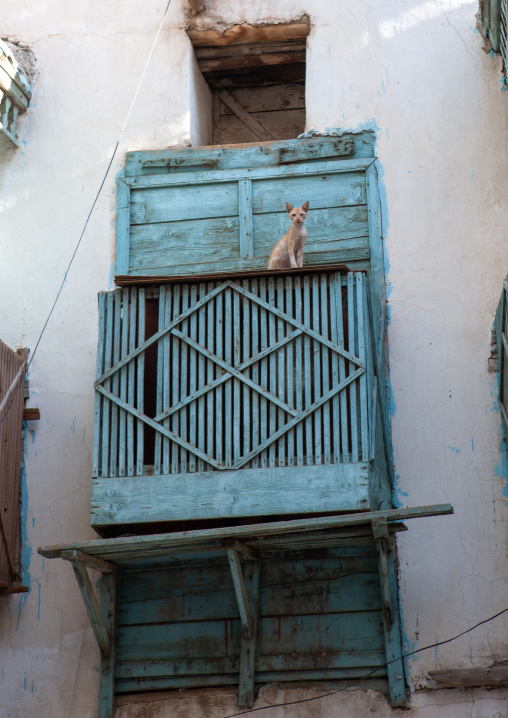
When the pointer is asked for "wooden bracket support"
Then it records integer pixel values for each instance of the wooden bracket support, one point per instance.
(102, 617)
(241, 593)
(390, 612)
(245, 551)
(247, 593)
(383, 545)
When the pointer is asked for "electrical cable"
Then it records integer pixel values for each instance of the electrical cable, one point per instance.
(368, 675)
(94, 202)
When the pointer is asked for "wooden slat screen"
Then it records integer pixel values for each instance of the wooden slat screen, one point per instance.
(12, 377)
(262, 372)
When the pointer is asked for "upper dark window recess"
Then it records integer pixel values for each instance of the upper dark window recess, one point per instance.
(257, 78)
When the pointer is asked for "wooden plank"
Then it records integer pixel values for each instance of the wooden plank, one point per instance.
(254, 125)
(316, 372)
(123, 221)
(328, 427)
(31, 414)
(179, 203)
(175, 387)
(268, 99)
(255, 371)
(390, 613)
(89, 561)
(122, 427)
(112, 549)
(471, 677)
(108, 662)
(246, 440)
(202, 53)
(299, 375)
(248, 648)
(278, 124)
(237, 493)
(245, 33)
(232, 176)
(264, 154)
(245, 215)
(291, 55)
(140, 383)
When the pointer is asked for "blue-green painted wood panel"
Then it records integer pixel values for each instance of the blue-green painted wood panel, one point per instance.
(263, 154)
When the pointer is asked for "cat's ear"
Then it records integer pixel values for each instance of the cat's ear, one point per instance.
(305, 206)
(289, 207)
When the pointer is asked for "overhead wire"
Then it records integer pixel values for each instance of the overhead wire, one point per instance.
(371, 673)
(92, 207)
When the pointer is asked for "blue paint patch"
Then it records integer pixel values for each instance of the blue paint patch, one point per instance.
(329, 49)
(387, 135)
(474, 30)
(84, 434)
(492, 53)
(111, 276)
(393, 404)
(472, 443)
(74, 426)
(34, 580)
(454, 449)
(33, 521)
(22, 600)
(24, 683)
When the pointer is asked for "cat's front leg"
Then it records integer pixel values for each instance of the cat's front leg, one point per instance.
(292, 259)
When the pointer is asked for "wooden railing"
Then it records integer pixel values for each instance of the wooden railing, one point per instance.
(12, 377)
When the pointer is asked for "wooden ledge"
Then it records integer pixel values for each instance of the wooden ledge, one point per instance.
(275, 536)
(471, 677)
(245, 33)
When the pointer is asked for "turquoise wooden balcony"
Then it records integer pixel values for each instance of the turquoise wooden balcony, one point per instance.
(230, 398)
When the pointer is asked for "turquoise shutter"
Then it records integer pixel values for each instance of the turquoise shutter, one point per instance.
(503, 32)
(200, 220)
(264, 400)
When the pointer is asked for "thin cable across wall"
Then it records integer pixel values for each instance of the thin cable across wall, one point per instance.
(371, 673)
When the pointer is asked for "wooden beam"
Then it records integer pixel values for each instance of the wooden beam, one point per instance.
(240, 62)
(240, 591)
(249, 645)
(254, 126)
(244, 551)
(109, 618)
(391, 625)
(31, 414)
(245, 33)
(93, 609)
(471, 677)
(253, 48)
(90, 561)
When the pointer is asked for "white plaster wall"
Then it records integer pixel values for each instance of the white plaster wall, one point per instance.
(413, 71)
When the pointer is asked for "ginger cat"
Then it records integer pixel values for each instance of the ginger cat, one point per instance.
(288, 252)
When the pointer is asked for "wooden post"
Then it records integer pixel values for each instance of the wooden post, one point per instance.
(391, 623)
(249, 645)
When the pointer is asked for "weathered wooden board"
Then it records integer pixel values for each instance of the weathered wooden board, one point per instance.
(243, 492)
(258, 154)
(471, 677)
(281, 124)
(184, 203)
(267, 99)
(245, 33)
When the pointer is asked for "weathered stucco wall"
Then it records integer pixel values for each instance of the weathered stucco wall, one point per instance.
(416, 74)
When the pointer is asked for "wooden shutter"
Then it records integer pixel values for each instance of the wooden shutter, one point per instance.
(223, 208)
(264, 392)
(503, 32)
(12, 377)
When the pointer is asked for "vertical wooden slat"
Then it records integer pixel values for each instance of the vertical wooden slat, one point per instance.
(299, 379)
(99, 369)
(238, 330)
(166, 397)
(210, 374)
(272, 368)
(289, 376)
(263, 403)
(201, 381)
(307, 348)
(216, 117)
(228, 389)
(255, 369)
(157, 461)
(123, 221)
(220, 394)
(140, 383)
(115, 411)
(106, 404)
(281, 375)
(246, 392)
(334, 368)
(325, 378)
(131, 368)
(364, 427)
(109, 617)
(344, 413)
(175, 386)
(245, 217)
(193, 368)
(316, 383)
(122, 430)
(184, 383)
(352, 349)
